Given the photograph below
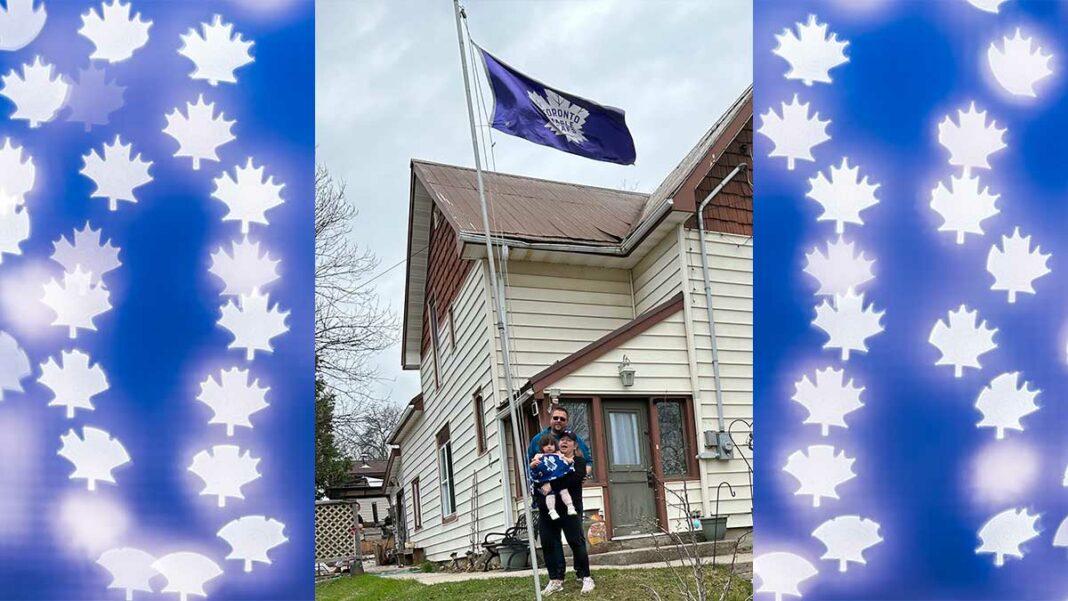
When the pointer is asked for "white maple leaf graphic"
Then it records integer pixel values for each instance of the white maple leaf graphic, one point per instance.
(233, 398)
(87, 251)
(224, 471)
(73, 381)
(94, 455)
(1060, 538)
(848, 323)
(1016, 66)
(37, 94)
(1004, 533)
(198, 132)
(846, 538)
(114, 33)
(828, 399)
(77, 301)
(1003, 402)
(811, 52)
(990, 6)
(217, 52)
(131, 569)
(961, 341)
(970, 141)
(248, 195)
(1015, 266)
(251, 537)
(14, 365)
(243, 270)
(17, 176)
(14, 230)
(780, 573)
(186, 573)
(252, 324)
(93, 97)
(838, 270)
(963, 206)
(794, 133)
(562, 117)
(843, 196)
(820, 471)
(115, 173)
(20, 23)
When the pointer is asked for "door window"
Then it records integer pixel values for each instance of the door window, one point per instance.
(624, 429)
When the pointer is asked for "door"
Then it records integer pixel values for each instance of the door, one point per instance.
(400, 521)
(630, 487)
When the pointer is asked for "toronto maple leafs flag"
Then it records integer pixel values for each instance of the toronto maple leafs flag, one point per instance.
(910, 322)
(526, 108)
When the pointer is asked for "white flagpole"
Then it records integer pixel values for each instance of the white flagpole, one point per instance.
(502, 319)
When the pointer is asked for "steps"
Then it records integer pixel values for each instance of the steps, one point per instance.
(641, 550)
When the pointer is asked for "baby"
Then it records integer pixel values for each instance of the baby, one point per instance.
(551, 467)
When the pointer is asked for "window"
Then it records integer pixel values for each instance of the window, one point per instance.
(674, 451)
(480, 428)
(435, 343)
(417, 512)
(448, 487)
(452, 328)
(578, 421)
(444, 338)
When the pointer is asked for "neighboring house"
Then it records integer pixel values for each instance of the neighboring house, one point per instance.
(364, 484)
(591, 276)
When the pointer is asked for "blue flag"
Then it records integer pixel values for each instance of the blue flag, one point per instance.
(526, 108)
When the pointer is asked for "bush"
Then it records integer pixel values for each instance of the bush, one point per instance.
(428, 566)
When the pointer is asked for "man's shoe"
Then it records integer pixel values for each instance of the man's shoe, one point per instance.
(587, 585)
(554, 586)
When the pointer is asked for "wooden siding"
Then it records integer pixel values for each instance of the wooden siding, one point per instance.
(731, 211)
(658, 275)
(446, 273)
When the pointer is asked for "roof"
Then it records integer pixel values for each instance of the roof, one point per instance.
(413, 410)
(373, 468)
(529, 208)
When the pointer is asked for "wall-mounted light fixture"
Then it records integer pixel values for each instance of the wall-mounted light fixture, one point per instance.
(626, 372)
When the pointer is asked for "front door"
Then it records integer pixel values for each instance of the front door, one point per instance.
(632, 499)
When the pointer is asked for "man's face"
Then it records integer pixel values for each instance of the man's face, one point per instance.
(558, 421)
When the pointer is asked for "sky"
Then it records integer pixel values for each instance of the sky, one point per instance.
(389, 88)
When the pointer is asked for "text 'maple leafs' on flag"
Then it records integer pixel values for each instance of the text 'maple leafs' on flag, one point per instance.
(528, 109)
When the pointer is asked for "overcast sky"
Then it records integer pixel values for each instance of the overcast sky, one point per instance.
(389, 88)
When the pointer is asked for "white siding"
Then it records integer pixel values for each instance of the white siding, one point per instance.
(367, 511)
(657, 277)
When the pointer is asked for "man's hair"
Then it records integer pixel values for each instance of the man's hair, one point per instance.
(559, 407)
(546, 440)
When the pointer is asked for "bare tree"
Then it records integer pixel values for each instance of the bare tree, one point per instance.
(369, 429)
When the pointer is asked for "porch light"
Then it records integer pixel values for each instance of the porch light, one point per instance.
(626, 372)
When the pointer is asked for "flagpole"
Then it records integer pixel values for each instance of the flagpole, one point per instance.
(502, 318)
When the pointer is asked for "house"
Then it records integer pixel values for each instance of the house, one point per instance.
(595, 281)
(364, 483)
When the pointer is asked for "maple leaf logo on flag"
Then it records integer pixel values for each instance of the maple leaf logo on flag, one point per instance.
(1004, 402)
(88, 252)
(186, 573)
(77, 301)
(233, 398)
(249, 194)
(217, 53)
(1004, 533)
(93, 97)
(251, 537)
(962, 341)
(224, 471)
(115, 173)
(243, 270)
(811, 53)
(198, 132)
(780, 573)
(970, 141)
(94, 455)
(963, 206)
(114, 33)
(820, 471)
(563, 117)
(843, 196)
(848, 323)
(794, 133)
(252, 324)
(14, 365)
(1015, 266)
(37, 95)
(14, 229)
(73, 383)
(17, 176)
(20, 23)
(846, 538)
(829, 399)
(839, 270)
(1016, 66)
(131, 569)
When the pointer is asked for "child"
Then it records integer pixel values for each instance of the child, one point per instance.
(551, 465)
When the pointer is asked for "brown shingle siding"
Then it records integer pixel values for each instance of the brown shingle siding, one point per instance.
(731, 211)
(446, 274)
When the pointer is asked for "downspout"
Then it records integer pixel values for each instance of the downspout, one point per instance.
(723, 445)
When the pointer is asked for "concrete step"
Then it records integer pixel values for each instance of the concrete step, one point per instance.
(650, 542)
(721, 550)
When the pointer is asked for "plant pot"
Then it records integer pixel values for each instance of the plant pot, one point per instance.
(715, 527)
(514, 557)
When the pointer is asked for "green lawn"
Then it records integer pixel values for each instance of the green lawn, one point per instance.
(617, 585)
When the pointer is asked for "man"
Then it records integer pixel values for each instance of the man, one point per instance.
(558, 418)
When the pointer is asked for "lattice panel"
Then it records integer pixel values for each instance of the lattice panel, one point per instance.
(335, 539)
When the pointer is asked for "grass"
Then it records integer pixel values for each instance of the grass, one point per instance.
(617, 585)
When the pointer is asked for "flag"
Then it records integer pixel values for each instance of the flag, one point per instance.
(527, 108)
